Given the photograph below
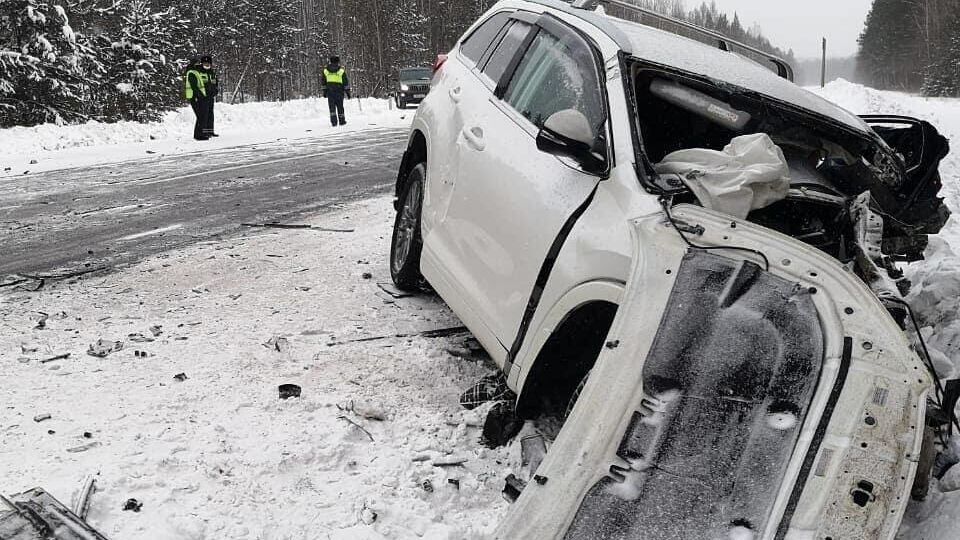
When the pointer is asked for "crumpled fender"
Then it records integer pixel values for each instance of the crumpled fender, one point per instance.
(841, 468)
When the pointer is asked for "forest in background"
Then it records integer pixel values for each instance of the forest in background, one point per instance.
(70, 61)
(912, 45)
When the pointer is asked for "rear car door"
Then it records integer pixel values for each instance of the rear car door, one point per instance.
(512, 205)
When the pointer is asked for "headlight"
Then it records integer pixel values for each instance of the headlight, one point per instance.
(404, 88)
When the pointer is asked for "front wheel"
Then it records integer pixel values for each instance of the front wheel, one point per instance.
(407, 244)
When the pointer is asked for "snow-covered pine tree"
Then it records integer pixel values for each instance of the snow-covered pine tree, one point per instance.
(942, 77)
(141, 78)
(45, 67)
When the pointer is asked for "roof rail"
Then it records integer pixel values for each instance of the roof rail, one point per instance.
(711, 37)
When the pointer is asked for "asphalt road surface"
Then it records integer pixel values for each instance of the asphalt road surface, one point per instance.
(102, 217)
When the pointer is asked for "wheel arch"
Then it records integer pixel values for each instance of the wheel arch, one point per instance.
(416, 152)
(570, 339)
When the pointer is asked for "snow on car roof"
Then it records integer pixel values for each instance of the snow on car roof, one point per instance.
(662, 47)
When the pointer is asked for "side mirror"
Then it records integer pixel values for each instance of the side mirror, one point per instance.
(568, 133)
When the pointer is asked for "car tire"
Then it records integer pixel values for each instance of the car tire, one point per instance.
(407, 244)
(576, 395)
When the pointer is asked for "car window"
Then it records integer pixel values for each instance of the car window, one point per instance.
(476, 43)
(506, 50)
(551, 77)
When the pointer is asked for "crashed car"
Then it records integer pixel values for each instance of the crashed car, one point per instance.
(691, 259)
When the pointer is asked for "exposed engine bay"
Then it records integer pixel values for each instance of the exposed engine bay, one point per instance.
(867, 199)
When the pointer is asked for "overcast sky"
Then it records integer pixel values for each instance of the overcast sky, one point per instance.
(801, 24)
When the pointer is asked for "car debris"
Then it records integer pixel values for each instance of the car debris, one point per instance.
(81, 504)
(63, 356)
(132, 505)
(366, 411)
(180, 377)
(83, 447)
(288, 391)
(293, 226)
(102, 348)
(437, 333)
(41, 321)
(37, 515)
(140, 338)
(277, 343)
(41, 417)
(489, 388)
(501, 425)
(392, 290)
(357, 426)
(449, 461)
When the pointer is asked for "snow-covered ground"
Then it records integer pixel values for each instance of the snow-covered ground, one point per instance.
(219, 455)
(50, 147)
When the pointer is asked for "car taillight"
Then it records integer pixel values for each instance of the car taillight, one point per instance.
(438, 63)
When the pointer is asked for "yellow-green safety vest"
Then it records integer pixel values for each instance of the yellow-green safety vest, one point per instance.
(202, 79)
(334, 77)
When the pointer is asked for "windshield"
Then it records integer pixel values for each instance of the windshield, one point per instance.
(416, 74)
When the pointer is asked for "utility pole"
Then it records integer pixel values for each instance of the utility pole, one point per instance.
(823, 65)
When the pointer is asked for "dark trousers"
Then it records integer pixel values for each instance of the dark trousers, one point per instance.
(336, 109)
(203, 109)
(208, 128)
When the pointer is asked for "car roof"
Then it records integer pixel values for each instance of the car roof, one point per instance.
(658, 46)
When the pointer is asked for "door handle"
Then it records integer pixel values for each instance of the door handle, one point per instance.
(456, 93)
(474, 137)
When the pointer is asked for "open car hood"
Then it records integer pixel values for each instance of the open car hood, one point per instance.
(714, 410)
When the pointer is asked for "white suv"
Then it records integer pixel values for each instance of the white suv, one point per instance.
(747, 375)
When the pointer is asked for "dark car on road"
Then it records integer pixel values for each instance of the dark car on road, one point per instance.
(414, 83)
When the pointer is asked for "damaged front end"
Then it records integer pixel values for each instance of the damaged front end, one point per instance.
(735, 400)
(758, 381)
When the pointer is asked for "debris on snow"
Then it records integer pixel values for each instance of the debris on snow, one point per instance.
(277, 343)
(502, 425)
(358, 426)
(132, 505)
(392, 290)
(180, 377)
(288, 391)
(42, 417)
(102, 348)
(83, 447)
(36, 515)
(63, 356)
(82, 503)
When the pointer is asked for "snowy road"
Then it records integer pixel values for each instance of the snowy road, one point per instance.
(103, 216)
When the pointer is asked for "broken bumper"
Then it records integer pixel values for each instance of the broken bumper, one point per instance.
(782, 403)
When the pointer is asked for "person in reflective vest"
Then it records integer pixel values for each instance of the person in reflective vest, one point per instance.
(200, 88)
(336, 85)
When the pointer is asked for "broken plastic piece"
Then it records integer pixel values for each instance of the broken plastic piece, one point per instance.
(36, 515)
(288, 391)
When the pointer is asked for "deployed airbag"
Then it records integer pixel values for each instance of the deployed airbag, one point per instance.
(749, 173)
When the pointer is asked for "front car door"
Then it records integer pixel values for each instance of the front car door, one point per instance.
(512, 205)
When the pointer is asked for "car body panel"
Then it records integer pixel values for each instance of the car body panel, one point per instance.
(830, 458)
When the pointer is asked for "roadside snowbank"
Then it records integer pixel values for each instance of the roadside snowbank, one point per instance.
(936, 281)
(57, 147)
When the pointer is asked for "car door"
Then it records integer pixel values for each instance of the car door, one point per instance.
(443, 113)
(511, 203)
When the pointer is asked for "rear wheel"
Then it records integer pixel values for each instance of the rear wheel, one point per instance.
(407, 244)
